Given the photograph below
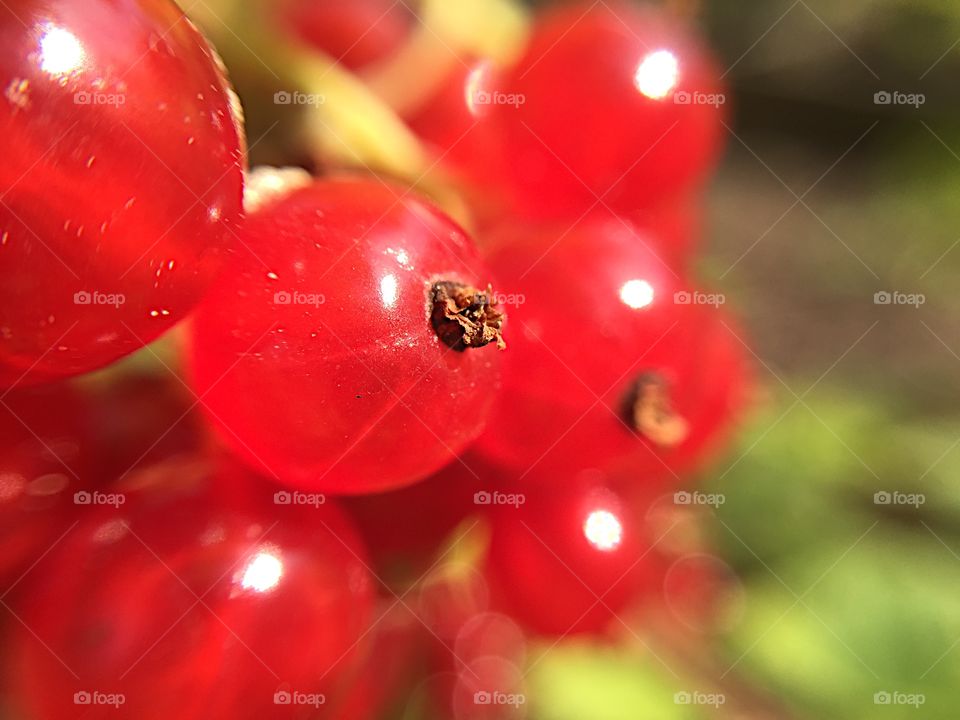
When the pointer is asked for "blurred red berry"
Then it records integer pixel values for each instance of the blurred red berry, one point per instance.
(612, 103)
(191, 604)
(570, 557)
(611, 361)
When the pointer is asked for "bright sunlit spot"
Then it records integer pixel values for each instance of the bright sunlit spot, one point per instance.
(388, 290)
(262, 573)
(603, 530)
(636, 294)
(658, 74)
(60, 51)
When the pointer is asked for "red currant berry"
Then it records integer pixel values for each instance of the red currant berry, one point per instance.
(607, 363)
(344, 354)
(191, 605)
(355, 33)
(570, 558)
(43, 461)
(122, 177)
(617, 105)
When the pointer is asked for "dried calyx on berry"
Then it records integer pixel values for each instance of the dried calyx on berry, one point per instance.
(651, 413)
(465, 317)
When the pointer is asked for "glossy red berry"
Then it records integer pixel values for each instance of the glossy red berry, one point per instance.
(355, 33)
(609, 364)
(121, 180)
(345, 353)
(186, 604)
(570, 558)
(615, 102)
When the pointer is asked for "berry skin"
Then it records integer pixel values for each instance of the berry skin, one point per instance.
(345, 353)
(570, 558)
(121, 181)
(355, 33)
(193, 605)
(614, 106)
(607, 366)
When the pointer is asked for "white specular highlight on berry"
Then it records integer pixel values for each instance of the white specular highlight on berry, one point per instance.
(262, 573)
(603, 530)
(658, 74)
(637, 294)
(60, 51)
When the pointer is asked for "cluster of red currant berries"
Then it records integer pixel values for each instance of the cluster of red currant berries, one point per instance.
(282, 532)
